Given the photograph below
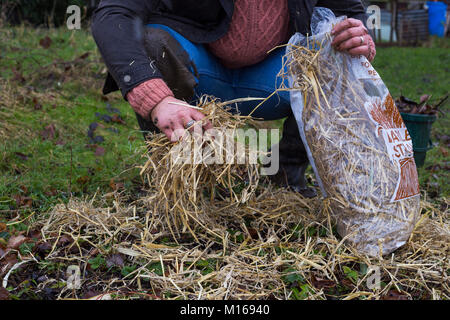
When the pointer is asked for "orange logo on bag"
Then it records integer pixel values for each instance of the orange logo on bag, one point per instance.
(391, 127)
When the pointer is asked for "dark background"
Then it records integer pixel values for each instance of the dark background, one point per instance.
(48, 13)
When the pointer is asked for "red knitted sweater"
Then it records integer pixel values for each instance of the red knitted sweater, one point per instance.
(256, 27)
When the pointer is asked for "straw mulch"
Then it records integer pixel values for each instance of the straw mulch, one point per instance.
(235, 236)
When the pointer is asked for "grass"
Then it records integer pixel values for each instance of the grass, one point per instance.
(413, 72)
(47, 164)
(49, 98)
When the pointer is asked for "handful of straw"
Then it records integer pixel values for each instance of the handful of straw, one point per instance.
(182, 187)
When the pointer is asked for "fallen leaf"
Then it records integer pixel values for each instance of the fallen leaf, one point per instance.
(24, 189)
(115, 185)
(49, 132)
(117, 119)
(91, 294)
(394, 295)
(4, 294)
(44, 247)
(45, 42)
(65, 240)
(22, 156)
(51, 193)
(18, 76)
(99, 151)
(444, 151)
(347, 283)
(36, 104)
(320, 283)
(253, 233)
(83, 180)
(2, 226)
(93, 252)
(15, 241)
(114, 260)
(22, 201)
(84, 56)
(34, 234)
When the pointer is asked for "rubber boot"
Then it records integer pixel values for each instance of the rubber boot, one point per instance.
(293, 161)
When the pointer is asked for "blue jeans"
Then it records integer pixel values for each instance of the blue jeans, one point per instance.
(257, 81)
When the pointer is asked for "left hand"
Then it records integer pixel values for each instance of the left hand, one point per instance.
(351, 36)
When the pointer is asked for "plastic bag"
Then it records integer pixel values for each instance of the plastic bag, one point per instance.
(357, 143)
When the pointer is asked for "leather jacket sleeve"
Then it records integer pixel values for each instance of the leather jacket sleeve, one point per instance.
(118, 30)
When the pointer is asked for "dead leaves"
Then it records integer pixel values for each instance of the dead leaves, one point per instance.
(99, 151)
(15, 242)
(45, 42)
(4, 294)
(115, 260)
(116, 185)
(36, 104)
(23, 201)
(49, 132)
(321, 283)
(407, 105)
(18, 75)
(394, 295)
(21, 156)
(117, 119)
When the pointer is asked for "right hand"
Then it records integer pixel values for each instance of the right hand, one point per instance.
(171, 117)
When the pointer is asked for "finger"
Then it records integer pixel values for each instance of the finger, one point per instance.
(168, 132)
(179, 129)
(346, 24)
(352, 43)
(361, 50)
(198, 116)
(348, 34)
(185, 120)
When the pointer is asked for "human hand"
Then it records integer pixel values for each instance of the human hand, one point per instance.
(171, 116)
(351, 36)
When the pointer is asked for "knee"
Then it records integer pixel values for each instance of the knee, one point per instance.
(156, 40)
(172, 60)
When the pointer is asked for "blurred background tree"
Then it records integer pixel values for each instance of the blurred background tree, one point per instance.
(47, 13)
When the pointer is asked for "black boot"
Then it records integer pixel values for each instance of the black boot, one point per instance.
(293, 161)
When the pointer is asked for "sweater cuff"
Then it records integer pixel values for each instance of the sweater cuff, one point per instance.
(147, 95)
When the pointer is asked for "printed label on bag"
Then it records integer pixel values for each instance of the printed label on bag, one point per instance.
(392, 129)
(363, 69)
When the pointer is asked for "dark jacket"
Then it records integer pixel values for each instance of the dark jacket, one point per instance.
(118, 29)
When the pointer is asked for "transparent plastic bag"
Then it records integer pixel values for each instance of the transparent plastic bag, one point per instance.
(357, 143)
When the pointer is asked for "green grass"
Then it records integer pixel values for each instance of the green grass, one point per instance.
(48, 171)
(413, 72)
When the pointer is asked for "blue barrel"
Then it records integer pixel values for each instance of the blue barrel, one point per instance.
(436, 13)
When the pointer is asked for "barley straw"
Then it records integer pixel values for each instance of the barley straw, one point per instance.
(241, 250)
